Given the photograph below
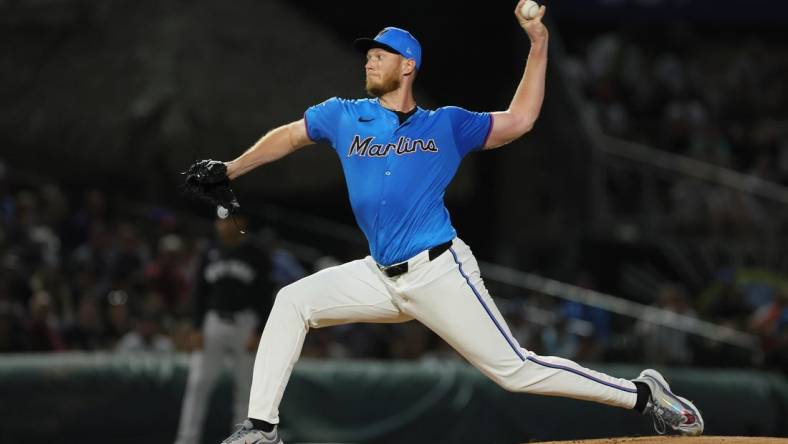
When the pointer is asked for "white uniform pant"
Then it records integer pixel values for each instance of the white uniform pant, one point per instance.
(222, 338)
(448, 296)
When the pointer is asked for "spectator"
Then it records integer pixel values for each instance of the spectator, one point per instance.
(43, 329)
(117, 314)
(557, 340)
(128, 259)
(770, 323)
(147, 336)
(91, 214)
(12, 332)
(94, 255)
(723, 302)
(168, 273)
(87, 333)
(664, 345)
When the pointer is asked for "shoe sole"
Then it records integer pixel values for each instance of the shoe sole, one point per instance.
(265, 441)
(657, 376)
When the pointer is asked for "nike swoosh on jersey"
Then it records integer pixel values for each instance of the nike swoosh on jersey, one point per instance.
(366, 119)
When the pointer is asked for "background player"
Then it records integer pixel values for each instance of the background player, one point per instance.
(232, 298)
(398, 160)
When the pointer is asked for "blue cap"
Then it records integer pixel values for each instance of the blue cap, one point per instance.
(394, 40)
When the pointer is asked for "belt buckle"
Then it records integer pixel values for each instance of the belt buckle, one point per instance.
(394, 270)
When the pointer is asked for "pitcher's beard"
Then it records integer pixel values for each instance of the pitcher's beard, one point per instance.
(384, 87)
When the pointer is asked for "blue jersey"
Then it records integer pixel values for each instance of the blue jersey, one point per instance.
(397, 174)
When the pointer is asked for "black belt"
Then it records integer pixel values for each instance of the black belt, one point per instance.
(402, 268)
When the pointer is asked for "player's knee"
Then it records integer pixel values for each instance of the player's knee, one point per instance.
(289, 297)
(508, 380)
(286, 296)
(508, 384)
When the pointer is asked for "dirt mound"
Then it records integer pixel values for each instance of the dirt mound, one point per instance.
(678, 440)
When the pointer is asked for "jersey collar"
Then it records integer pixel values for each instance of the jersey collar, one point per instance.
(418, 109)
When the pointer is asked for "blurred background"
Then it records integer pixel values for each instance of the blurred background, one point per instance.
(643, 223)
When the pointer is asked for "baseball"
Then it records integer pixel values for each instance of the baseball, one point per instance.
(530, 9)
(222, 212)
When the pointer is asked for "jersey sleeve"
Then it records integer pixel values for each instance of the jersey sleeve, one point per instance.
(471, 129)
(322, 120)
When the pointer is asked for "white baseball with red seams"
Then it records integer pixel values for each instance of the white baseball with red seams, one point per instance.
(529, 9)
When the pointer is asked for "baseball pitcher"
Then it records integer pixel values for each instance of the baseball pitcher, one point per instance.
(398, 160)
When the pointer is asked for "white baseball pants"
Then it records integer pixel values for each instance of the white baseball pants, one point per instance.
(449, 297)
(222, 338)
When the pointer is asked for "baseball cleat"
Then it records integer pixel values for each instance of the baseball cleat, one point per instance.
(667, 409)
(247, 434)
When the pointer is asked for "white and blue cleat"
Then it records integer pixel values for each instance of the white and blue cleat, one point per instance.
(667, 409)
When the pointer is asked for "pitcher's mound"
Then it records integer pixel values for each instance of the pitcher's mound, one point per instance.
(678, 440)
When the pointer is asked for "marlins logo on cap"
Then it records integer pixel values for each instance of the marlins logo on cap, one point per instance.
(396, 40)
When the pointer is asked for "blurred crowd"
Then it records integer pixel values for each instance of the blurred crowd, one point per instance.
(76, 273)
(715, 95)
(718, 96)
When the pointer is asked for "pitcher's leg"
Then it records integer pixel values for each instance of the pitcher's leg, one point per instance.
(351, 292)
(458, 307)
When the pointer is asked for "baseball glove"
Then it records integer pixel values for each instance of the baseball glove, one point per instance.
(207, 181)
